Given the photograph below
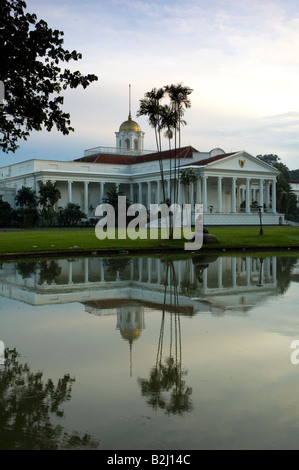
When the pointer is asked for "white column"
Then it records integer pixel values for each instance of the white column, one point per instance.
(86, 270)
(248, 194)
(148, 194)
(204, 193)
(140, 193)
(219, 271)
(86, 197)
(158, 192)
(248, 270)
(102, 271)
(179, 193)
(198, 191)
(219, 194)
(149, 270)
(70, 195)
(131, 193)
(261, 194)
(234, 203)
(274, 195)
(191, 193)
(70, 272)
(101, 192)
(234, 271)
(267, 194)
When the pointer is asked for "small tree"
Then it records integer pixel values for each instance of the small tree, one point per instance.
(26, 197)
(27, 201)
(70, 215)
(49, 194)
(187, 177)
(285, 198)
(6, 214)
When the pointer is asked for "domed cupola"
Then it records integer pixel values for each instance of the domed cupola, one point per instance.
(129, 138)
(129, 125)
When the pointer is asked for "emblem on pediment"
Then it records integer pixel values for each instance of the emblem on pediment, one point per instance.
(241, 163)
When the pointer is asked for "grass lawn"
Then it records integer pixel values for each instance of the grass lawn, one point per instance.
(84, 239)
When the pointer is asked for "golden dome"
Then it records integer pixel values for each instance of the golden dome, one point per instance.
(129, 125)
(130, 334)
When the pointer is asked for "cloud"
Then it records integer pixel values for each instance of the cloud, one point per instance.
(239, 57)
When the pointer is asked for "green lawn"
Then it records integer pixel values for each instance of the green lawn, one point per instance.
(65, 240)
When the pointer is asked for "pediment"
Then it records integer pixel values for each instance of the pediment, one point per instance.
(242, 162)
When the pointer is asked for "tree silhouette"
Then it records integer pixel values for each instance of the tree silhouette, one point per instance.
(27, 404)
(49, 271)
(31, 53)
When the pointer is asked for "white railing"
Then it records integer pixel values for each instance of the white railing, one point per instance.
(115, 151)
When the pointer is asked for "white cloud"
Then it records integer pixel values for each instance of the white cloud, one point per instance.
(239, 57)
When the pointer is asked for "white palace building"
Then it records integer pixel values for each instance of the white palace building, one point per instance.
(229, 185)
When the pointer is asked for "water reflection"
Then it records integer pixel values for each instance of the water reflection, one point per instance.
(165, 388)
(106, 285)
(28, 405)
(126, 288)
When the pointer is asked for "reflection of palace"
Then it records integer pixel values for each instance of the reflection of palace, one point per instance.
(108, 285)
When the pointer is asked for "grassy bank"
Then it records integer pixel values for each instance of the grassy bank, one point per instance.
(56, 240)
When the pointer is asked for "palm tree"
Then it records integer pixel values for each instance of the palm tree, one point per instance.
(187, 177)
(49, 194)
(168, 123)
(151, 106)
(179, 99)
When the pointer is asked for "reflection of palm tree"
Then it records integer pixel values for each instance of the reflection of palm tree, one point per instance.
(26, 407)
(167, 378)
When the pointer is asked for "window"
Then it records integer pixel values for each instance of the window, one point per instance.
(127, 141)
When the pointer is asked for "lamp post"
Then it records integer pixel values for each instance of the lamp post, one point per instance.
(261, 225)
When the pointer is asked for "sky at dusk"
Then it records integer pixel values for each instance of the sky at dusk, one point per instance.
(241, 58)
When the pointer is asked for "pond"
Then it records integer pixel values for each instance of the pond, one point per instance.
(146, 353)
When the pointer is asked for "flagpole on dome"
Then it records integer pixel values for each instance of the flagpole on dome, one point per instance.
(130, 114)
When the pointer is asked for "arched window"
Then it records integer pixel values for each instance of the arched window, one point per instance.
(127, 144)
(135, 144)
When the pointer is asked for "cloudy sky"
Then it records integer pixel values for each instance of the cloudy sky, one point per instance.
(241, 58)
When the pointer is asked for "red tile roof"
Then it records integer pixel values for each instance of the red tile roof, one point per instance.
(181, 153)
